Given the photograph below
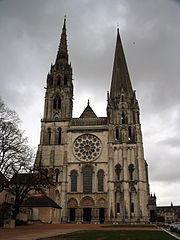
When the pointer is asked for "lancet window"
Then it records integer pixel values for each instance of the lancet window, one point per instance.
(57, 175)
(87, 179)
(59, 136)
(49, 136)
(117, 133)
(57, 102)
(100, 180)
(131, 170)
(74, 181)
(118, 171)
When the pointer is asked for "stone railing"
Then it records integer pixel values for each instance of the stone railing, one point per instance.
(88, 121)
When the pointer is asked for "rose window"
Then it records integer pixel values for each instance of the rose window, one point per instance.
(87, 147)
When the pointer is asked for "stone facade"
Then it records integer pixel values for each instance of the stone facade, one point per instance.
(98, 162)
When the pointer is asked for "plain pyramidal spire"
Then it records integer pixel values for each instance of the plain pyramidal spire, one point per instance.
(120, 76)
(62, 50)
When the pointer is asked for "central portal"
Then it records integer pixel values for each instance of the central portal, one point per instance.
(87, 214)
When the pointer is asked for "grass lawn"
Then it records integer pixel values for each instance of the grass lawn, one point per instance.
(130, 226)
(116, 235)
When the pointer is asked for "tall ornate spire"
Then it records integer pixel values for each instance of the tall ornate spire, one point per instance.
(62, 50)
(120, 76)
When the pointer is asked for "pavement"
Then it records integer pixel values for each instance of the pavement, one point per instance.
(33, 232)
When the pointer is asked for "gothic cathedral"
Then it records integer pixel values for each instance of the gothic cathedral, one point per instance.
(97, 163)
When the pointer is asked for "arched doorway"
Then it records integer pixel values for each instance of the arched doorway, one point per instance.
(102, 207)
(72, 208)
(87, 204)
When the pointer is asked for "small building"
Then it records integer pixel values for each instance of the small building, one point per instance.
(168, 214)
(40, 208)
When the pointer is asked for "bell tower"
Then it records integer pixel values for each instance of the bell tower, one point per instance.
(128, 185)
(122, 107)
(59, 90)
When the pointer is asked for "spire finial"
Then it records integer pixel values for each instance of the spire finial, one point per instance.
(65, 19)
(62, 51)
(117, 27)
(120, 75)
(88, 102)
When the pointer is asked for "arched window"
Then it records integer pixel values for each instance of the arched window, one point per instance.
(100, 180)
(131, 170)
(122, 98)
(65, 80)
(57, 175)
(117, 133)
(59, 135)
(57, 102)
(87, 179)
(58, 80)
(118, 171)
(73, 181)
(49, 136)
(123, 118)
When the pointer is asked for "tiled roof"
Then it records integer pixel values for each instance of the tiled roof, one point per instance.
(40, 201)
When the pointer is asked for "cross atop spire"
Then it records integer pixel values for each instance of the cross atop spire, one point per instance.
(120, 76)
(62, 50)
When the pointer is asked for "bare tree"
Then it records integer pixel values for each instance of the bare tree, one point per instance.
(15, 154)
(22, 185)
(17, 174)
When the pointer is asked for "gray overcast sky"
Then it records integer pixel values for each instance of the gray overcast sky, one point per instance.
(150, 32)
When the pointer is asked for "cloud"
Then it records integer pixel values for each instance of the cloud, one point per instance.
(30, 33)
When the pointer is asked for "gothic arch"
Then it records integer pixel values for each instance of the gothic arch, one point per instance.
(72, 203)
(87, 202)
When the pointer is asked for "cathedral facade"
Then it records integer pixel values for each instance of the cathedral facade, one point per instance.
(97, 163)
